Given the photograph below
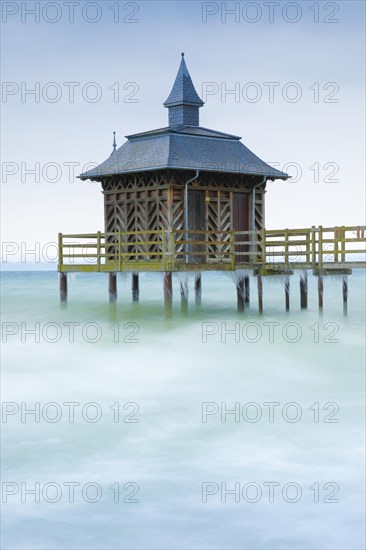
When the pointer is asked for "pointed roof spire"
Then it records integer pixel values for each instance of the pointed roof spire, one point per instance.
(183, 91)
(114, 142)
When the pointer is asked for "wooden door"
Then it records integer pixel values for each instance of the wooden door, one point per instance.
(196, 222)
(241, 223)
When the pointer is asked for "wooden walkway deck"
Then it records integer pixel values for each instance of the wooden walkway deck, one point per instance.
(325, 250)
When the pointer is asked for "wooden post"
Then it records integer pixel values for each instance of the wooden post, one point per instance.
(240, 293)
(168, 293)
(60, 251)
(336, 237)
(287, 293)
(184, 295)
(313, 246)
(246, 290)
(135, 287)
(112, 287)
(232, 247)
(343, 244)
(198, 288)
(260, 293)
(264, 247)
(99, 249)
(63, 287)
(320, 246)
(304, 290)
(345, 291)
(308, 246)
(320, 290)
(120, 250)
(286, 246)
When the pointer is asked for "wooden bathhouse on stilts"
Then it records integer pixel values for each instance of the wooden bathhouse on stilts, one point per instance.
(189, 198)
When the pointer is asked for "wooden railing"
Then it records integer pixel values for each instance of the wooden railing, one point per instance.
(171, 250)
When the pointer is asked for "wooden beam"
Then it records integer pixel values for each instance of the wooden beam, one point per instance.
(246, 290)
(320, 290)
(198, 288)
(240, 294)
(304, 290)
(287, 293)
(345, 291)
(63, 287)
(112, 287)
(260, 293)
(168, 293)
(135, 287)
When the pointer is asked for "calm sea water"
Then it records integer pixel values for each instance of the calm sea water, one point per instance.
(184, 436)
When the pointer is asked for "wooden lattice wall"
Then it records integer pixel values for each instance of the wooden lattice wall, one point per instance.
(155, 201)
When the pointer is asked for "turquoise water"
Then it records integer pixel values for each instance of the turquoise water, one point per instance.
(149, 397)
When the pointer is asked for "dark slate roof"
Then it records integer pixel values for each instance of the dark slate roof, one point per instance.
(183, 91)
(184, 148)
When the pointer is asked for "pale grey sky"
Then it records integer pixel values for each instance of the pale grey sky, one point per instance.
(311, 51)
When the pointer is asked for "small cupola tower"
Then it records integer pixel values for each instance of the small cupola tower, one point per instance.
(183, 101)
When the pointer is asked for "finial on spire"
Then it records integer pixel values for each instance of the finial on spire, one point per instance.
(182, 54)
(114, 142)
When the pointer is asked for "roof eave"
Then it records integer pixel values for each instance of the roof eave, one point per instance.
(97, 177)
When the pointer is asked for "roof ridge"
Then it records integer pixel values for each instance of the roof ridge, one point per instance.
(184, 129)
